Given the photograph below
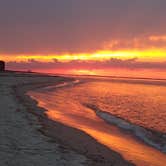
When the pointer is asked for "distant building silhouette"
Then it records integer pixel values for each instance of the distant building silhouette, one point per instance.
(2, 66)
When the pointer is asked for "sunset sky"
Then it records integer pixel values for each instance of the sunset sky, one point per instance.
(106, 37)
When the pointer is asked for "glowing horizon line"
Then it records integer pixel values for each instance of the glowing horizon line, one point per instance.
(101, 55)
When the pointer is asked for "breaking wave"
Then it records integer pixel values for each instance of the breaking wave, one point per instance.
(152, 138)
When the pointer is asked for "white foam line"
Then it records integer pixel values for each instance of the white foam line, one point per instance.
(138, 131)
(64, 84)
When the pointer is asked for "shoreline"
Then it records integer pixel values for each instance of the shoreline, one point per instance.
(70, 138)
(21, 143)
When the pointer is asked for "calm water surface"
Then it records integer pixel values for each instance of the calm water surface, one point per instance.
(140, 104)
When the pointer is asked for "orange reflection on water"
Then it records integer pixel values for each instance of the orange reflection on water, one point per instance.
(63, 106)
(110, 136)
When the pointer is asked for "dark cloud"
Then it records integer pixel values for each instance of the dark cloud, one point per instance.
(88, 65)
(49, 26)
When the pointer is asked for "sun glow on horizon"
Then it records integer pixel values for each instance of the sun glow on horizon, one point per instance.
(102, 55)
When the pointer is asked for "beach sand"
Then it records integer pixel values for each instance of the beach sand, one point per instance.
(28, 137)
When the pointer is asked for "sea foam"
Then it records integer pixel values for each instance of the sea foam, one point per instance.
(151, 138)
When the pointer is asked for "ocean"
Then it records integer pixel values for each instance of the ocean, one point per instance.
(127, 115)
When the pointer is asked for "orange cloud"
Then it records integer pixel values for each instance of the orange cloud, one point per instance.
(146, 48)
(158, 38)
(139, 43)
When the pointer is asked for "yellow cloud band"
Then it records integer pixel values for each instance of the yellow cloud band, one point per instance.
(155, 55)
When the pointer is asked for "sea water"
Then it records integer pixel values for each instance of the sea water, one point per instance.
(116, 112)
